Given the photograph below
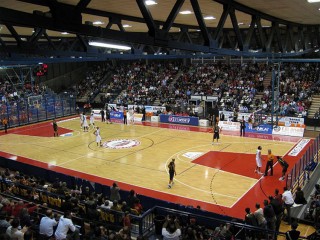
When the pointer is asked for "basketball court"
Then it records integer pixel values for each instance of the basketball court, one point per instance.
(217, 177)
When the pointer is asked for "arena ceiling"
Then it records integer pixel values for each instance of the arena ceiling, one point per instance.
(223, 27)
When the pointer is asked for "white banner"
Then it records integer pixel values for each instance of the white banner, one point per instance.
(290, 131)
(229, 126)
(298, 148)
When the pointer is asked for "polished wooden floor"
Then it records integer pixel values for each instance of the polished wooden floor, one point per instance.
(138, 156)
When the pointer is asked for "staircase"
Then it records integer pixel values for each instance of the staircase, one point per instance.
(315, 105)
(157, 101)
(266, 83)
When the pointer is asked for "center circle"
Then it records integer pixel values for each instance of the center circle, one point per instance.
(121, 143)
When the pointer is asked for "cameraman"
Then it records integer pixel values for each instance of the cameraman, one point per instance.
(171, 229)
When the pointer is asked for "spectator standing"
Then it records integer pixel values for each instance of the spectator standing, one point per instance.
(66, 228)
(171, 229)
(299, 198)
(47, 223)
(114, 192)
(288, 200)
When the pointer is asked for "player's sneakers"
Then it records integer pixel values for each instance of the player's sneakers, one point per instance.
(169, 186)
(282, 178)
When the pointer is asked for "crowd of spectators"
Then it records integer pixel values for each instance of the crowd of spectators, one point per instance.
(298, 81)
(235, 86)
(142, 83)
(37, 218)
(90, 86)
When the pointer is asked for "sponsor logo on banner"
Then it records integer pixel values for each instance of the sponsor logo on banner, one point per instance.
(192, 155)
(298, 148)
(121, 143)
(263, 128)
(290, 131)
(229, 126)
(116, 115)
(178, 120)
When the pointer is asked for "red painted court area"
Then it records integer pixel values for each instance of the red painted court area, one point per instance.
(238, 163)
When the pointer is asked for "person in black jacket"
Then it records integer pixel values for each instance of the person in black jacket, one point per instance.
(299, 199)
(293, 234)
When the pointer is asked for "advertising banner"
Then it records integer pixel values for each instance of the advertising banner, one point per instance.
(194, 121)
(291, 131)
(116, 115)
(229, 126)
(262, 128)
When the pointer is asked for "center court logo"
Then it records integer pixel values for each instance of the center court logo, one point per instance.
(121, 143)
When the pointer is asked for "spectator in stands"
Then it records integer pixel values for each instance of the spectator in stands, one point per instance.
(114, 192)
(116, 206)
(278, 210)
(47, 224)
(251, 220)
(13, 231)
(171, 229)
(288, 200)
(127, 220)
(260, 217)
(4, 224)
(107, 204)
(131, 199)
(293, 234)
(137, 207)
(66, 228)
(299, 198)
(269, 215)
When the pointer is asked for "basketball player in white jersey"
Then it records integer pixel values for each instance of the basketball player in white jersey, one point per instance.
(85, 123)
(81, 120)
(98, 137)
(92, 119)
(258, 160)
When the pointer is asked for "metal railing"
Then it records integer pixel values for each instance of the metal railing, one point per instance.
(23, 111)
(302, 170)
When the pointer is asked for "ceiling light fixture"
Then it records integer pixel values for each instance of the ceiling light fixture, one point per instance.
(313, 1)
(64, 33)
(126, 26)
(98, 23)
(185, 12)
(150, 2)
(109, 45)
(209, 18)
(240, 23)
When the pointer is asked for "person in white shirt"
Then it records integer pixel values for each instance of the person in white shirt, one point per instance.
(85, 123)
(258, 160)
(288, 200)
(107, 204)
(171, 229)
(66, 224)
(92, 119)
(13, 231)
(47, 224)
